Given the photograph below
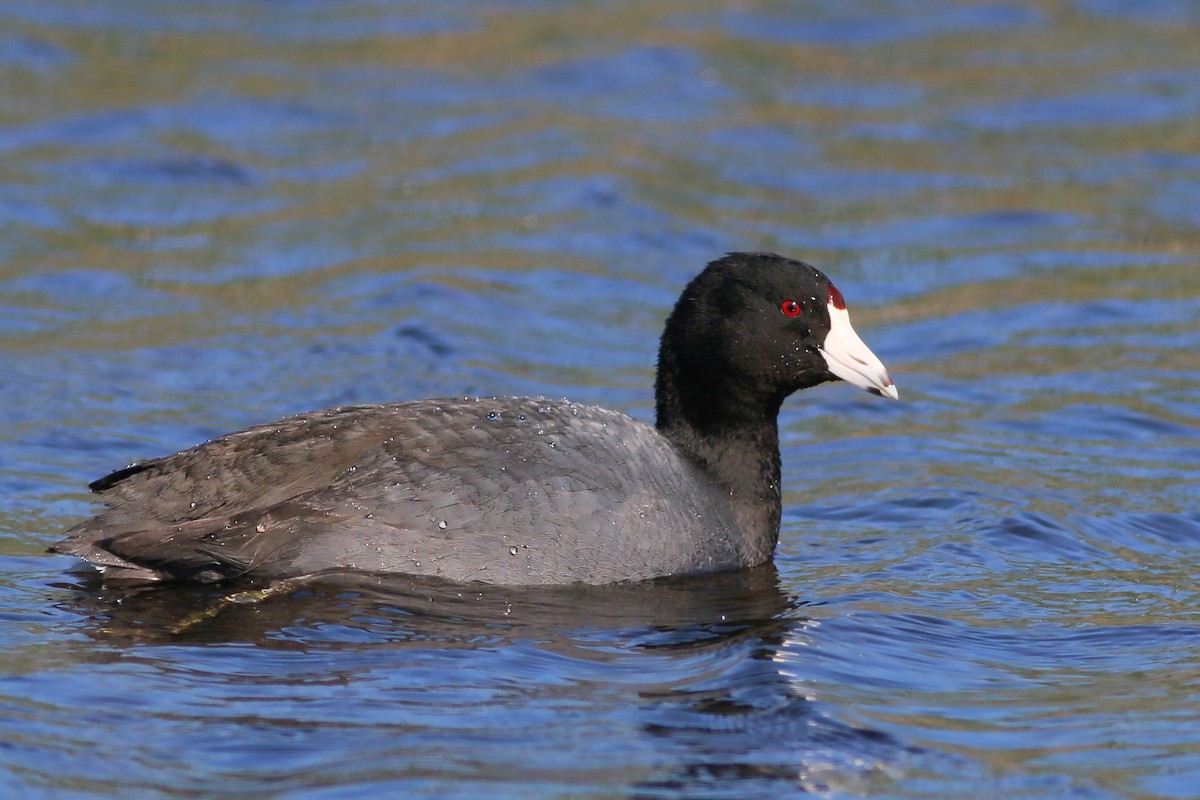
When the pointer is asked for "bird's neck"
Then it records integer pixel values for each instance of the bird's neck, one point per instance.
(735, 440)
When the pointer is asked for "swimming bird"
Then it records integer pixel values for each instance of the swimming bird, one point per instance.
(507, 490)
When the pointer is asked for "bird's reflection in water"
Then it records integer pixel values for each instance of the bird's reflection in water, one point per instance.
(690, 664)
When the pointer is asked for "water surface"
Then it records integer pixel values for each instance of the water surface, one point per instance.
(212, 215)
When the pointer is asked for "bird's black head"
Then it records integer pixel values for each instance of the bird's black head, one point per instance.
(748, 331)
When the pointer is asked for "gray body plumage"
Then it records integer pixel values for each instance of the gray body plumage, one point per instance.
(494, 489)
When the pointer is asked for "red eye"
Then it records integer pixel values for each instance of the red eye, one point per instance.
(790, 308)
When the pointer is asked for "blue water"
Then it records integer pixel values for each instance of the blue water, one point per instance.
(216, 214)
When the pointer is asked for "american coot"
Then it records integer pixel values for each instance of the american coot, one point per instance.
(506, 490)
